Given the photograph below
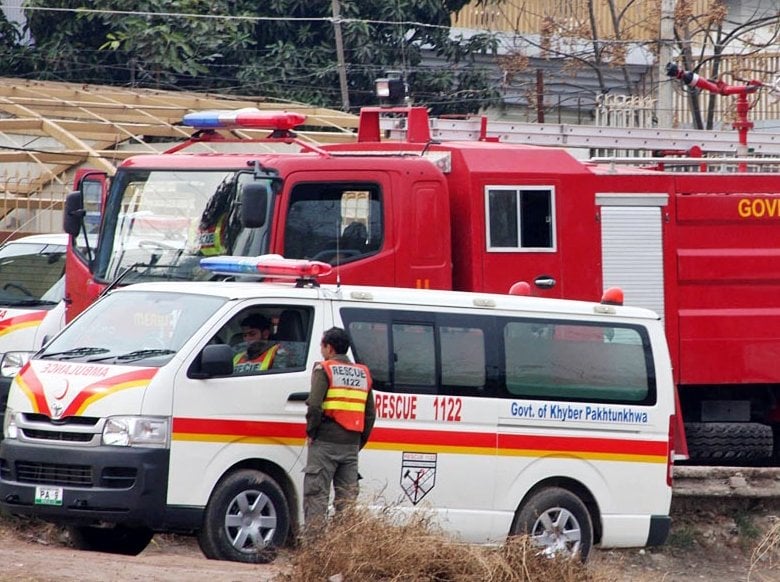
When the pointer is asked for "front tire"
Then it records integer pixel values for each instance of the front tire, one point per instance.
(127, 541)
(247, 519)
(557, 521)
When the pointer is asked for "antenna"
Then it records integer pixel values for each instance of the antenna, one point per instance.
(338, 255)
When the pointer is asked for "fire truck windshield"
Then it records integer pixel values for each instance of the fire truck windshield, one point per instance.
(160, 223)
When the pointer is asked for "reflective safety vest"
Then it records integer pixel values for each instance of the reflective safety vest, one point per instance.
(345, 401)
(209, 241)
(258, 364)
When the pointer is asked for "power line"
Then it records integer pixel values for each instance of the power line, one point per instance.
(324, 19)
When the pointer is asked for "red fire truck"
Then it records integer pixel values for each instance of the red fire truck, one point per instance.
(701, 248)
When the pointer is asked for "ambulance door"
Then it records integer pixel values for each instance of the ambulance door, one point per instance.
(434, 443)
(632, 247)
(258, 412)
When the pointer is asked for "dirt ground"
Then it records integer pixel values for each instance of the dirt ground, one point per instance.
(711, 540)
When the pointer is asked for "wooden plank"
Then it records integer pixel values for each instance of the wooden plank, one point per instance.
(15, 125)
(68, 158)
(10, 203)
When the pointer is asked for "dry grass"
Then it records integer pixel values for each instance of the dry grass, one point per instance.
(766, 554)
(373, 547)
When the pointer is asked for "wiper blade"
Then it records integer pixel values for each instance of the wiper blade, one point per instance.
(141, 354)
(27, 302)
(76, 352)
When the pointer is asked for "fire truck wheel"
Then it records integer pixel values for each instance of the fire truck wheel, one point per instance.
(557, 521)
(128, 541)
(728, 442)
(246, 519)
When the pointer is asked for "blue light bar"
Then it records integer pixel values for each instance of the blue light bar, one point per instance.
(229, 265)
(274, 266)
(248, 117)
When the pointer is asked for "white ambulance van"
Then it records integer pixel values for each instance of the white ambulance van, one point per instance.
(498, 414)
(32, 286)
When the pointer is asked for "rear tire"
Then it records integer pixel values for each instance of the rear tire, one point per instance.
(247, 519)
(557, 521)
(728, 442)
(120, 539)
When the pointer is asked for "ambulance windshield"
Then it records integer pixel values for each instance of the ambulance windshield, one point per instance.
(31, 273)
(133, 328)
(160, 223)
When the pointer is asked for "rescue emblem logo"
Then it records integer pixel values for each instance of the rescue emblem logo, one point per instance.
(418, 475)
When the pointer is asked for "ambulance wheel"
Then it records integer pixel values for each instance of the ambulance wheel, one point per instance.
(557, 521)
(246, 519)
(128, 541)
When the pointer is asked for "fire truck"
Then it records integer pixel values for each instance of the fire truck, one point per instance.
(700, 246)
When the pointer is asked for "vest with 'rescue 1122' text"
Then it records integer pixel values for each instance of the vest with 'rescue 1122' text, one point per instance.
(345, 401)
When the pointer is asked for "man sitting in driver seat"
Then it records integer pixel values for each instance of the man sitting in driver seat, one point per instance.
(260, 350)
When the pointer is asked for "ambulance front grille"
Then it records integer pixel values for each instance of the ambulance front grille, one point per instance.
(58, 435)
(53, 474)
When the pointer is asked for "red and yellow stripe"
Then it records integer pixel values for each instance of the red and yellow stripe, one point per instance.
(13, 324)
(433, 441)
(31, 385)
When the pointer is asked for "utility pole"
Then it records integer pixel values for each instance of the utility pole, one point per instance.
(663, 111)
(336, 9)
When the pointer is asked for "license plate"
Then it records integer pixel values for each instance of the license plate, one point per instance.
(48, 496)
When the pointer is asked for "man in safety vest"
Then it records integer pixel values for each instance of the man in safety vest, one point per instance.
(339, 417)
(260, 352)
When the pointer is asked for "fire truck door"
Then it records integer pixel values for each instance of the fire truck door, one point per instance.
(632, 247)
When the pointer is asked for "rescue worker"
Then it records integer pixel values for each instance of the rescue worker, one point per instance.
(219, 222)
(260, 351)
(339, 417)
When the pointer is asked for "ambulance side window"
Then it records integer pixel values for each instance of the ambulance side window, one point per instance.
(370, 346)
(578, 361)
(268, 339)
(439, 353)
(414, 357)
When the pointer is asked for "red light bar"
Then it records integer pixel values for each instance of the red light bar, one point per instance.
(275, 266)
(247, 118)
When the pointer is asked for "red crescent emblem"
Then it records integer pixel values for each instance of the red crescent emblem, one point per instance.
(61, 394)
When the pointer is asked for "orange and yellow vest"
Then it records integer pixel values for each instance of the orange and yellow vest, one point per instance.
(210, 241)
(345, 401)
(260, 363)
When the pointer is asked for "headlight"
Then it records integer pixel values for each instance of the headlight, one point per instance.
(136, 431)
(12, 362)
(10, 430)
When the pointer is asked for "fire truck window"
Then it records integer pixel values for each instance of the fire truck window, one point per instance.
(333, 223)
(563, 360)
(415, 358)
(519, 218)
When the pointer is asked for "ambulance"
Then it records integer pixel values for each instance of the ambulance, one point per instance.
(32, 286)
(496, 414)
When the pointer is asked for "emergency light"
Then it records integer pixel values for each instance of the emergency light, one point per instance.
(266, 265)
(246, 118)
(612, 296)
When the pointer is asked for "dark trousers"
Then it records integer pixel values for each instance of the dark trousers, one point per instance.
(328, 463)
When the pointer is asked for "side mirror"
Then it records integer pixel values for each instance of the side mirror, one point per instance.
(254, 204)
(215, 360)
(73, 213)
